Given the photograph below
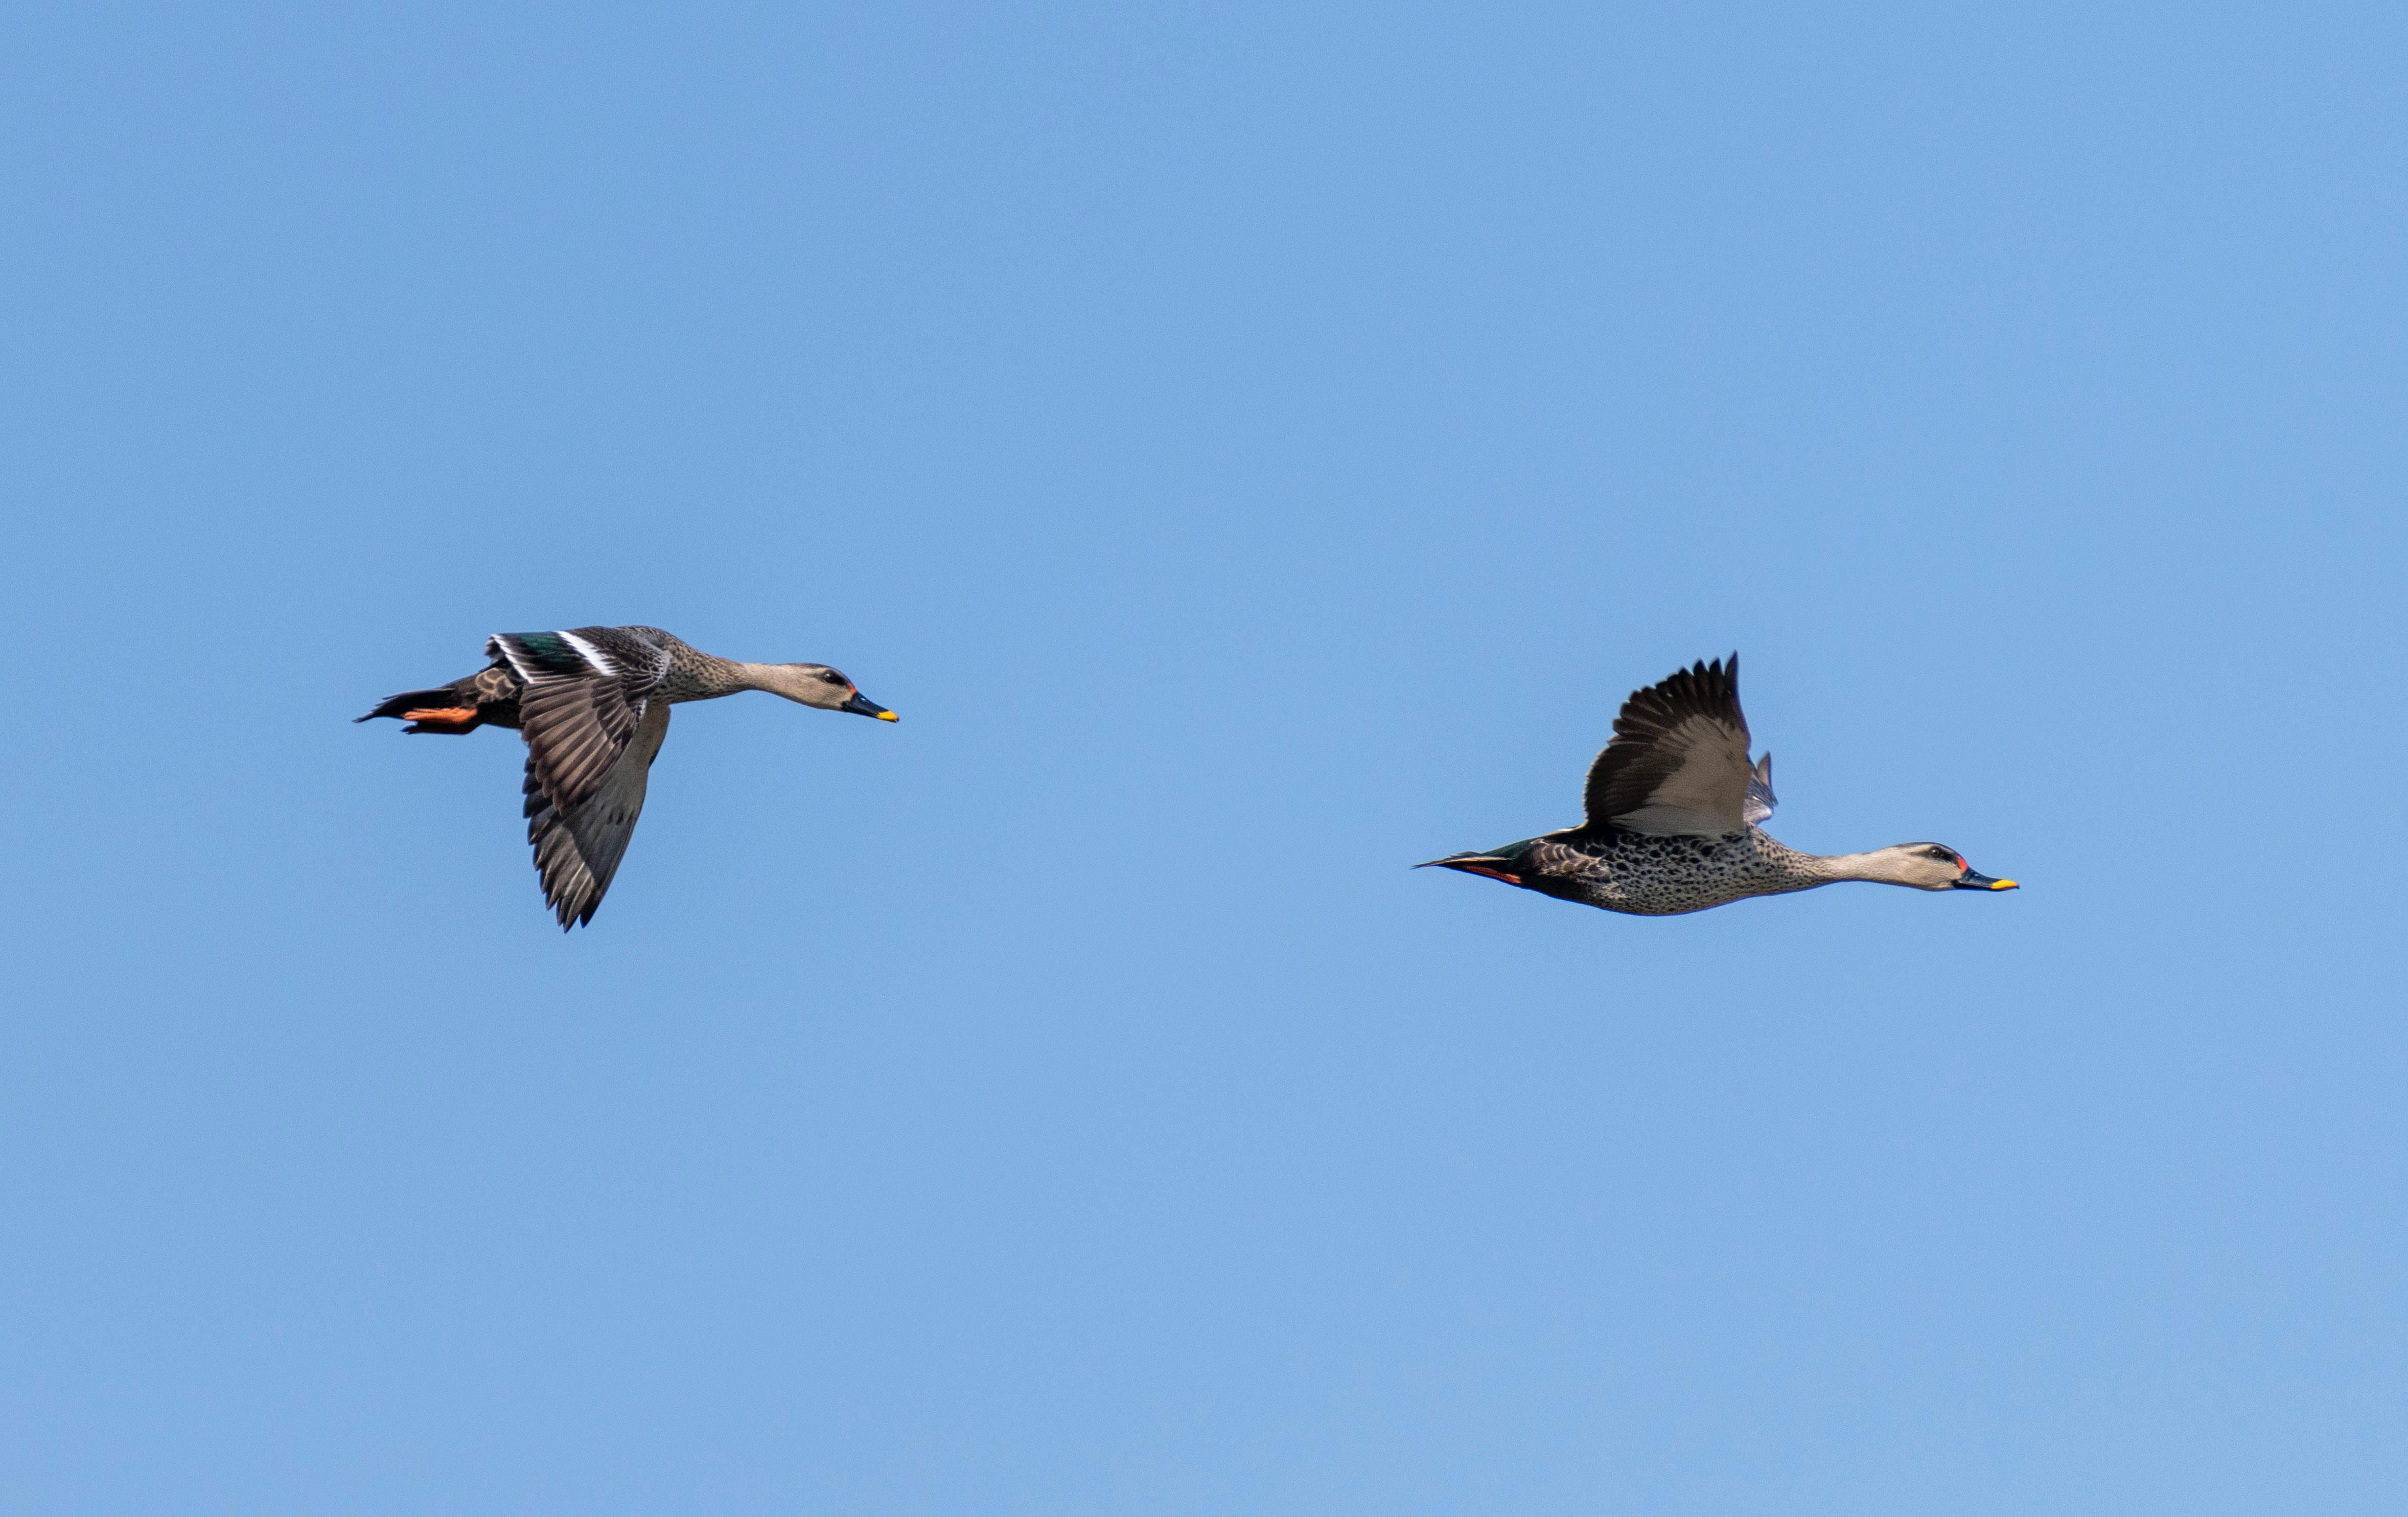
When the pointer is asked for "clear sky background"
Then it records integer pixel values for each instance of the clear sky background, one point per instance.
(1255, 447)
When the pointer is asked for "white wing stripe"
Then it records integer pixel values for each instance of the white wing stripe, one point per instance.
(503, 642)
(590, 654)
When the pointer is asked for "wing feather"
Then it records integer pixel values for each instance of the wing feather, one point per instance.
(1760, 799)
(577, 852)
(1678, 760)
(585, 693)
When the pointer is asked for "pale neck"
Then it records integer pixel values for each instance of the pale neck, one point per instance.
(694, 675)
(1883, 867)
(777, 680)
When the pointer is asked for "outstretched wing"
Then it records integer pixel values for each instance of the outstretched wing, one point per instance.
(1678, 761)
(586, 693)
(577, 852)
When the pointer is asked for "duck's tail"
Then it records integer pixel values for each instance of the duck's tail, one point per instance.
(443, 710)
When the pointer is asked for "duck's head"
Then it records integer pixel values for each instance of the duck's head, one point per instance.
(816, 684)
(1931, 866)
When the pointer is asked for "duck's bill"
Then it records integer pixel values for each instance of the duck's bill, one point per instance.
(862, 704)
(1975, 879)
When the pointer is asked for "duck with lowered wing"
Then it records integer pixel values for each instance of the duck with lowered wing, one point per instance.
(593, 705)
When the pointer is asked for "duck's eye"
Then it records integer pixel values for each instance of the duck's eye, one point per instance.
(833, 678)
(1942, 853)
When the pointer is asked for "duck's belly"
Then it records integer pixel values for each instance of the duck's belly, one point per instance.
(1668, 877)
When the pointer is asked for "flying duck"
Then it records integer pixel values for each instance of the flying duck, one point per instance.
(1673, 809)
(593, 705)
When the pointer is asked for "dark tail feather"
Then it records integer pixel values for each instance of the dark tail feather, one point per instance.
(414, 699)
(441, 710)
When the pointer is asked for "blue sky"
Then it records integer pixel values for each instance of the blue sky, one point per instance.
(1254, 448)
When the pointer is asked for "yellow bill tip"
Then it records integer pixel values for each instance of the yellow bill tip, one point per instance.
(888, 716)
(2004, 884)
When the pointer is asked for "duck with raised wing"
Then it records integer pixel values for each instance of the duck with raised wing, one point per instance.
(1673, 811)
(594, 705)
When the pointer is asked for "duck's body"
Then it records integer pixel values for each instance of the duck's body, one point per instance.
(1660, 876)
(592, 703)
(670, 669)
(1674, 804)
